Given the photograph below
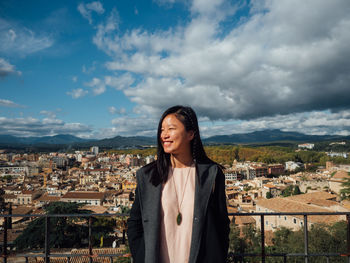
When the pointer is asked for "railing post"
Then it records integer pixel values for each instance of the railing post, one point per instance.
(47, 239)
(348, 236)
(262, 228)
(306, 240)
(90, 239)
(4, 252)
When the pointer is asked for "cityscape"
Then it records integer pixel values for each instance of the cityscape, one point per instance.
(84, 85)
(104, 182)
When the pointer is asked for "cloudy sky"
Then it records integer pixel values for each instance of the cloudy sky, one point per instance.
(105, 68)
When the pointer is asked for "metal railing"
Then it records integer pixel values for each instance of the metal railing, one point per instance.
(238, 257)
(233, 257)
(47, 251)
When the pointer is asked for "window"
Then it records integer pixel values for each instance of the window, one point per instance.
(285, 218)
(267, 222)
(295, 221)
(301, 223)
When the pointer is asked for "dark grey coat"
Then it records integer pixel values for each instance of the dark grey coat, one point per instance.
(210, 230)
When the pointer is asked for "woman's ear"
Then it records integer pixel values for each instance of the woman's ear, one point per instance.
(191, 135)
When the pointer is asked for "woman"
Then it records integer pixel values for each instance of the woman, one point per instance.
(179, 213)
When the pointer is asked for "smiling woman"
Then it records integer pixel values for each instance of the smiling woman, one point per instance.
(179, 213)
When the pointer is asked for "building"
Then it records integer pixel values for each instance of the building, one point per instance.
(124, 200)
(275, 169)
(27, 197)
(292, 166)
(337, 154)
(94, 150)
(92, 198)
(309, 146)
(335, 183)
(312, 202)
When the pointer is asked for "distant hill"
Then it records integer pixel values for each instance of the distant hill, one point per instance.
(56, 139)
(122, 142)
(270, 136)
(118, 142)
(69, 140)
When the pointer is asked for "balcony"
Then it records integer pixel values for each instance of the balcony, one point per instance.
(93, 254)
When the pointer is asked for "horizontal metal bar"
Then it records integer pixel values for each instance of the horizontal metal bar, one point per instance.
(230, 214)
(63, 215)
(288, 213)
(71, 255)
(289, 255)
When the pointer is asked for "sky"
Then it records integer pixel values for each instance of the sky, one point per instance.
(98, 69)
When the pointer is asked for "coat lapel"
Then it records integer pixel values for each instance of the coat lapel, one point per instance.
(150, 196)
(204, 184)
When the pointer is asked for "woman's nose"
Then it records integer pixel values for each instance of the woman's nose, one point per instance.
(165, 134)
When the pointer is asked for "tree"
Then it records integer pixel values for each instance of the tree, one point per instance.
(268, 195)
(288, 191)
(345, 191)
(64, 232)
(101, 227)
(296, 190)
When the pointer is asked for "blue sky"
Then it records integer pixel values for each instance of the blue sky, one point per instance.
(98, 69)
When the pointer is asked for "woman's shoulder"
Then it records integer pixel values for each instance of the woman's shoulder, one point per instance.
(212, 164)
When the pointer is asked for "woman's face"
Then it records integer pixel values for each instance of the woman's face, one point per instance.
(174, 137)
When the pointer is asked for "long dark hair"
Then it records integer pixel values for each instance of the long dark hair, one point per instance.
(188, 118)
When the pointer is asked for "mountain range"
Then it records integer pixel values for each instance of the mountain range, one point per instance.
(265, 136)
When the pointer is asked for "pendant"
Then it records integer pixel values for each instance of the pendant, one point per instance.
(179, 219)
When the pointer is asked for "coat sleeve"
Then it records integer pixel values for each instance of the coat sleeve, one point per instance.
(135, 228)
(222, 215)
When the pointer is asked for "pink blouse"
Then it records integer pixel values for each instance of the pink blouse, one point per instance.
(175, 240)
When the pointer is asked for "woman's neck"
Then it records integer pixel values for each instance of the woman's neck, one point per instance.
(181, 161)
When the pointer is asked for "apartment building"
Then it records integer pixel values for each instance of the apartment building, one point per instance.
(92, 198)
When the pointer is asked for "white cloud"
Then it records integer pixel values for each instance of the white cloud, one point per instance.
(279, 60)
(74, 79)
(87, 9)
(114, 110)
(315, 122)
(121, 82)
(9, 103)
(50, 114)
(35, 127)
(88, 70)
(117, 82)
(6, 68)
(140, 126)
(98, 86)
(77, 93)
(19, 40)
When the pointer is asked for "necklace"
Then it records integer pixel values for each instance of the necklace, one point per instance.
(179, 215)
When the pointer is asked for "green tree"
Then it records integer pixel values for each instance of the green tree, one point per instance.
(345, 191)
(237, 243)
(296, 190)
(64, 231)
(268, 195)
(288, 191)
(101, 227)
